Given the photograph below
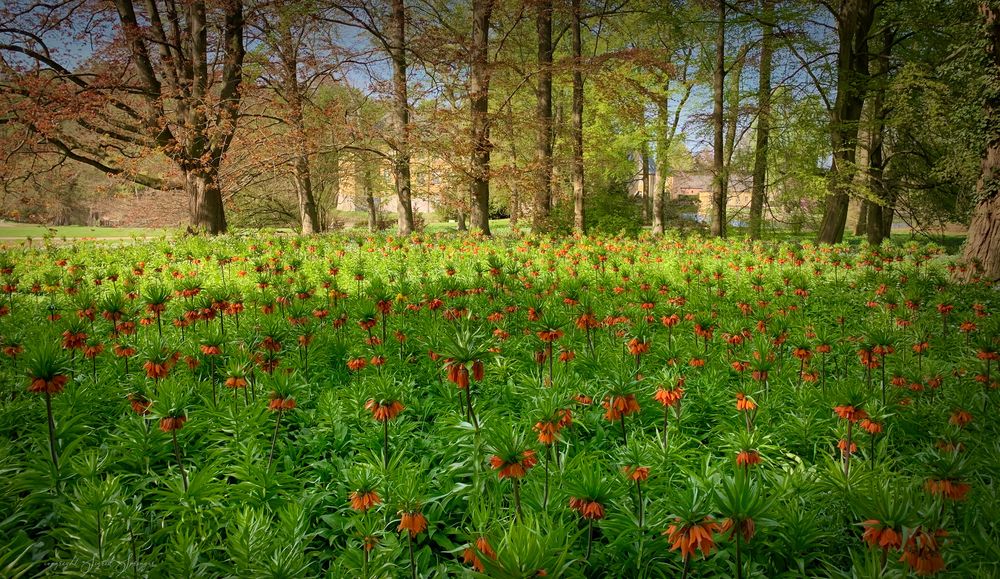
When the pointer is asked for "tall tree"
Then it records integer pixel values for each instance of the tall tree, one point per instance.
(719, 221)
(983, 242)
(479, 98)
(284, 28)
(577, 131)
(880, 210)
(175, 92)
(389, 34)
(854, 20)
(763, 133)
(543, 118)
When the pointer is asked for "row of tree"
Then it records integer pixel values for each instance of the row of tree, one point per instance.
(883, 101)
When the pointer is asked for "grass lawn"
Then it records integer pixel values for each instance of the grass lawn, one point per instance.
(18, 231)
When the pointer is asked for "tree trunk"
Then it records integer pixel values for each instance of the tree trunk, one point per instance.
(854, 21)
(718, 223)
(662, 165)
(368, 186)
(866, 208)
(303, 189)
(647, 199)
(401, 118)
(577, 175)
(479, 99)
(460, 221)
(982, 246)
(205, 200)
(880, 212)
(759, 193)
(543, 119)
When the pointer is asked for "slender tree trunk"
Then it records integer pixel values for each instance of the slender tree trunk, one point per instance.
(577, 176)
(879, 217)
(368, 190)
(301, 175)
(461, 221)
(205, 199)
(401, 118)
(982, 246)
(759, 193)
(661, 178)
(647, 199)
(543, 119)
(866, 208)
(854, 21)
(479, 97)
(718, 223)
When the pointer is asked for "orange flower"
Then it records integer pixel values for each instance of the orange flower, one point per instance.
(482, 546)
(637, 347)
(960, 418)
(842, 445)
(279, 404)
(172, 423)
(619, 406)
(588, 509)
(156, 371)
(413, 521)
(515, 469)
(747, 528)
(356, 364)
(547, 432)
(747, 458)
(364, 500)
(850, 413)
(53, 385)
(692, 537)
(949, 489)
(549, 336)
(636, 473)
(878, 535)
(922, 552)
(744, 404)
(210, 350)
(871, 426)
(668, 397)
(384, 411)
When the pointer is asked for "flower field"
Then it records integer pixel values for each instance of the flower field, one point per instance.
(441, 406)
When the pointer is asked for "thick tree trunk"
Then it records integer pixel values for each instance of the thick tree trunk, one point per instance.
(401, 119)
(543, 119)
(460, 220)
(854, 22)
(205, 200)
(577, 174)
(759, 193)
(982, 246)
(479, 97)
(718, 223)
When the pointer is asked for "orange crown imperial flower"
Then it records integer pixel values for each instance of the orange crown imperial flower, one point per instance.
(877, 534)
(587, 508)
(514, 469)
(482, 546)
(364, 500)
(636, 473)
(693, 536)
(413, 521)
(384, 411)
(850, 413)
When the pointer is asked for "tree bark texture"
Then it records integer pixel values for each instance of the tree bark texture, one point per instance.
(854, 22)
(479, 99)
(878, 225)
(577, 173)
(543, 119)
(401, 118)
(758, 195)
(982, 246)
(718, 222)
